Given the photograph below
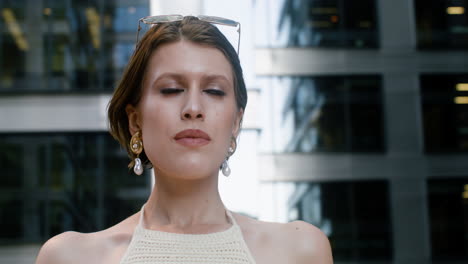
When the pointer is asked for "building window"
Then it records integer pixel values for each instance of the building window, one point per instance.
(335, 113)
(445, 112)
(62, 46)
(59, 182)
(442, 24)
(329, 23)
(354, 215)
(448, 211)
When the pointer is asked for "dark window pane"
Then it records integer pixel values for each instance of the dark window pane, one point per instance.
(442, 24)
(12, 166)
(64, 181)
(329, 23)
(448, 211)
(445, 112)
(335, 113)
(354, 215)
(10, 227)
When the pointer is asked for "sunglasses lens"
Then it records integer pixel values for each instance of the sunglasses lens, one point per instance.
(162, 19)
(219, 20)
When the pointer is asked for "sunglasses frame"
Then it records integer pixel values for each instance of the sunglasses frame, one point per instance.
(153, 20)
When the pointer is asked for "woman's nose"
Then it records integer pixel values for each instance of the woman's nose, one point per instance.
(193, 108)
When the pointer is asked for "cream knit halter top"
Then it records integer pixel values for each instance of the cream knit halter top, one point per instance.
(155, 247)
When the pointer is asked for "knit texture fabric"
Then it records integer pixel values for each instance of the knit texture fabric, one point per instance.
(155, 247)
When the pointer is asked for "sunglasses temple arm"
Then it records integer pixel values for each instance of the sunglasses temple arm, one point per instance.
(238, 42)
(138, 31)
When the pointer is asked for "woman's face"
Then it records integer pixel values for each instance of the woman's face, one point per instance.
(187, 112)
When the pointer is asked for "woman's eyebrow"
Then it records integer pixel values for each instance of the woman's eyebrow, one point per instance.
(215, 77)
(178, 77)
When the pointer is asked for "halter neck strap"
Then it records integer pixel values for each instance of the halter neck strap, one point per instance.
(229, 214)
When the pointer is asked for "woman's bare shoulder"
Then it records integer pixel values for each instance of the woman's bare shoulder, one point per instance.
(64, 248)
(296, 240)
(74, 247)
(309, 243)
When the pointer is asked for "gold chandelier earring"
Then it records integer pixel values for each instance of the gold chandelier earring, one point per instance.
(136, 145)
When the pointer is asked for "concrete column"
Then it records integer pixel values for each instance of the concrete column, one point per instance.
(408, 182)
(410, 220)
(404, 135)
(402, 114)
(397, 25)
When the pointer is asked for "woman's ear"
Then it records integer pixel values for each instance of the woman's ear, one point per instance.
(237, 122)
(133, 119)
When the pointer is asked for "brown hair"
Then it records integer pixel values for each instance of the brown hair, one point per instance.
(129, 89)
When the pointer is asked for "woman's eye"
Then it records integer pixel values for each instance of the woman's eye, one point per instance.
(171, 90)
(215, 92)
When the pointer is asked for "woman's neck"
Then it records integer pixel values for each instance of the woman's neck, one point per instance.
(185, 204)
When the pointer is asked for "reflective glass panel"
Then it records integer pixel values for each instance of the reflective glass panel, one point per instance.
(448, 215)
(335, 113)
(442, 24)
(444, 99)
(57, 182)
(328, 23)
(66, 46)
(354, 215)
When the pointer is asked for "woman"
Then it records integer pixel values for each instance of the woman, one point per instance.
(178, 108)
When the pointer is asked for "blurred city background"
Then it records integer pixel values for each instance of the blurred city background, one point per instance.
(357, 121)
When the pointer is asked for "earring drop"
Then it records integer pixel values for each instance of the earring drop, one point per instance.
(225, 166)
(138, 169)
(136, 145)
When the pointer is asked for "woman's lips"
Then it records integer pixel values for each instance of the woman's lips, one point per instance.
(192, 138)
(192, 142)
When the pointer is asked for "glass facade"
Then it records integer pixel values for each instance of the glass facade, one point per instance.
(355, 216)
(448, 208)
(66, 46)
(359, 130)
(57, 182)
(53, 181)
(445, 112)
(329, 23)
(336, 114)
(442, 24)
